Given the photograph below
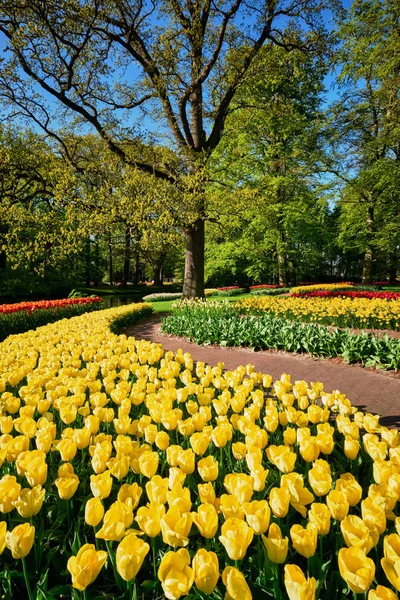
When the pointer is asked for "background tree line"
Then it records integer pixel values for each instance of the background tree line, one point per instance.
(256, 173)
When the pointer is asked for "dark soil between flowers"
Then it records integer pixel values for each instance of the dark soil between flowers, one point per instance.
(371, 390)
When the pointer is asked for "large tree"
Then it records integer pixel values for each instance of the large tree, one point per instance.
(365, 131)
(106, 62)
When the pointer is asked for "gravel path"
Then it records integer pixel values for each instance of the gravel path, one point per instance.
(370, 390)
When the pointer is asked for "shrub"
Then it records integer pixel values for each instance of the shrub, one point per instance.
(269, 292)
(230, 291)
(162, 297)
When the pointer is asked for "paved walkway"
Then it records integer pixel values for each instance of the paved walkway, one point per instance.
(370, 390)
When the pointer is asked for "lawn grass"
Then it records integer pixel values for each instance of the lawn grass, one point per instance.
(167, 305)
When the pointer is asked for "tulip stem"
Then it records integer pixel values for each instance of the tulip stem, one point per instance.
(117, 576)
(26, 577)
(153, 547)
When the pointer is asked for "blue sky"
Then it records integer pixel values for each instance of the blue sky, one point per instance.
(149, 125)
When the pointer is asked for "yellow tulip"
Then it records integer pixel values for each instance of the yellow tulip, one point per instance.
(130, 494)
(206, 493)
(157, 489)
(175, 574)
(381, 593)
(236, 585)
(67, 486)
(357, 570)
(94, 512)
(175, 475)
(309, 449)
(337, 504)
(30, 501)
(180, 496)
(356, 533)
(148, 463)
(208, 468)
(304, 539)
(320, 516)
(101, 484)
(86, 565)
(276, 545)
(9, 492)
(391, 546)
(236, 536)
(117, 518)
(162, 440)
(240, 486)
(230, 507)
(20, 540)
(221, 435)
(206, 520)
(3, 532)
(392, 571)
(175, 527)
(258, 514)
(279, 499)
(149, 518)
(206, 570)
(373, 515)
(130, 555)
(350, 487)
(186, 461)
(282, 457)
(300, 496)
(320, 480)
(296, 584)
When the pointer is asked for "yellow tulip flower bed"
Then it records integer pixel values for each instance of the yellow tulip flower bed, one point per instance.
(357, 313)
(132, 472)
(301, 289)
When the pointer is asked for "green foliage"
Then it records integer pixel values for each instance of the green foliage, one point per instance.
(222, 324)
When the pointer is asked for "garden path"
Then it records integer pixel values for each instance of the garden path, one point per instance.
(370, 390)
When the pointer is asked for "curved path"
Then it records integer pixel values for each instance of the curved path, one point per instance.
(372, 391)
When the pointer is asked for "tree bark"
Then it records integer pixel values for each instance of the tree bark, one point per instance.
(392, 266)
(193, 286)
(110, 261)
(369, 250)
(87, 262)
(158, 275)
(127, 256)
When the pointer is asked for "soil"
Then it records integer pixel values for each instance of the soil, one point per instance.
(369, 389)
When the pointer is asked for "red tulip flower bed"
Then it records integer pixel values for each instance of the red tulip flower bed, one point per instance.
(266, 286)
(43, 304)
(349, 294)
(23, 316)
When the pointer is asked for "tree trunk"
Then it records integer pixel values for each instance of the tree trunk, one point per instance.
(3, 253)
(193, 286)
(110, 261)
(87, 262)
(282, 271)
(127, 256)
(392, 267)
(369, 251)
(158, 275)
